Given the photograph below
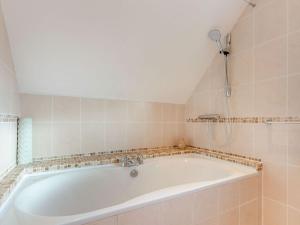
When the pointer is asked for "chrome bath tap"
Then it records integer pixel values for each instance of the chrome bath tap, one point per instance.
(129, 161)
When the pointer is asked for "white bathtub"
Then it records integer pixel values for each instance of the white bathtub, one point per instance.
(83, 195)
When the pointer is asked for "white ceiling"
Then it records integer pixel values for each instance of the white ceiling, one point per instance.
(146, 50)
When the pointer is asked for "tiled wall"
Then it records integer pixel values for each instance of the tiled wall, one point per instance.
(8, 103)
(265, 77)
(69, 125)
(236, 203)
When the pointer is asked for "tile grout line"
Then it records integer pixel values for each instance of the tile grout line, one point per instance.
(105, 124)
(254, 107)
(253, 75)
(80, 125)
(125, 134)
(287, 108)
(52, 126)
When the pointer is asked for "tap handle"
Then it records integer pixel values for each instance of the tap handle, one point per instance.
(140, 159)
(124, 160)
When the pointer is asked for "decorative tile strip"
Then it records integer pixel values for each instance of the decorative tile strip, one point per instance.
(245, 119)
(231, 157)
(4, 118)
(8, 183)
(99, 153)
(76, 161)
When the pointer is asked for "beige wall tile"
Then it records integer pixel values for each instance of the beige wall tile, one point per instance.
(136, 135)
(217, 72)
(241, 68)
(271, 98)
(206, 205)
(214, 221)
(260, 207)
(249, 189)
(169, 112)
(180, 113)
(115, 136)
(66, 138)
(154, 134)
(294, 145)
(249, 213)
(189, 111)
(230, 217)
(294, 216)
(202, 103)
(293, 95)
(294, 16)
(271, 143)
(241, 100)
(92, 110)
(270, 21)
(274, 181)
(116, 111)
(229, 196)
(66, 109)
(178, 211)
(241, 139)
(170, 134)
(294, 186)
(205, 83)
(154, 112)
(93, 137)
(262, 3)
(294, 53)
(242, 35)
(149, 215)
(107, 221)
(271, 59)
(38, 107)
(201, 135)
(219, 136)
(180, 132)
(219, 103)
(136, 111)
(189, 134)
(89, 118)
(274, 213)
(41, 139)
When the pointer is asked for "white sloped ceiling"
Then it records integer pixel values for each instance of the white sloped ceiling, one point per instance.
(146, 50)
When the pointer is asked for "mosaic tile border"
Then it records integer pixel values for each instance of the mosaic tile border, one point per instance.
(99, 153)
(289, 119)
(8, 183)
(4, 118)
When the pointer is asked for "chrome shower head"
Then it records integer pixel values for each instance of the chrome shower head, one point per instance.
(215, 35)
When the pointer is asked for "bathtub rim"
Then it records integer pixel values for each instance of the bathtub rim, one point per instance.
(131, 204)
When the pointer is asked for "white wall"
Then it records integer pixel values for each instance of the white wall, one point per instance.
(135, 50)
(9, 102)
